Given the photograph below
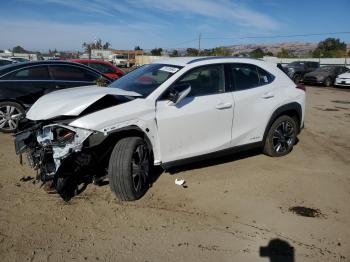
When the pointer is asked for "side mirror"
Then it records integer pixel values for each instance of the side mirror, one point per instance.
(178, 92)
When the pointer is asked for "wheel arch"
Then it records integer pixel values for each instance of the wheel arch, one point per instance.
(293, 110)
(13, 101)
(128, 131)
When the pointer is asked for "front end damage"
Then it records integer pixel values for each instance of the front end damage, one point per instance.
(65, 157)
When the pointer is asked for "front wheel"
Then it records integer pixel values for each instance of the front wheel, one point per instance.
(129, 169)
(297, 78)
(281, 137)
(10, 113)
(328, 82)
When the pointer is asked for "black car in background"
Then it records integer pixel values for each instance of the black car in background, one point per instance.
(21, 84)
(324, 75)
(296, 70)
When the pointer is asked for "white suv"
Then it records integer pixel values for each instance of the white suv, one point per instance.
(165, 113)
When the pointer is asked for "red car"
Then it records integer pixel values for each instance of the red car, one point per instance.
(105, 68)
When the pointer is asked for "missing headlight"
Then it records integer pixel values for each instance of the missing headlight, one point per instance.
(63, 135)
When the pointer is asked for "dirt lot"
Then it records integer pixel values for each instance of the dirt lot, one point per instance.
(230, 209)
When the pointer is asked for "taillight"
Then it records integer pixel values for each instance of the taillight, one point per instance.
(301, 87)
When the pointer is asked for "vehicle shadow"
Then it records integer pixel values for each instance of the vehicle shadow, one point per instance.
(278, 251)
(213, 161)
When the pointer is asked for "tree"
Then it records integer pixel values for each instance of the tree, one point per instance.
(157, 51)
(221, 51)
(284, 53)
(107, 45)
(192, 52)
(137, 48)
(174, 53)
(19, 49)
(257, 53)
(330, 47)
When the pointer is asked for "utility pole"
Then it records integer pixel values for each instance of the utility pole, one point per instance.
(199, 43)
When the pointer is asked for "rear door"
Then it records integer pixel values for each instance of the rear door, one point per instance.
(201, 123)
(66, 76)
(27, 84)
(255, 97)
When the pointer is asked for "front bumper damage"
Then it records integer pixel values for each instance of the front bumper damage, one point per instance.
(61, 154)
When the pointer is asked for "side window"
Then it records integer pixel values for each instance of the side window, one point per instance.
(104, 69)
(264, 77)
(72, 73)
(245, 76)
(205, 80)
(31, 73)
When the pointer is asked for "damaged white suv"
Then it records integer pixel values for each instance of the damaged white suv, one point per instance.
(165, 113)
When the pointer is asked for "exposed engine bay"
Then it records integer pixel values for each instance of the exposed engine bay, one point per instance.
(66, 157)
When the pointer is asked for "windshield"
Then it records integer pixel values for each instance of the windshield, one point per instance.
(146, 79)
(296, 64)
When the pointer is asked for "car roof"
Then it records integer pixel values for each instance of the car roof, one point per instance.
(8, 68)
(89, 61)
(183, 61)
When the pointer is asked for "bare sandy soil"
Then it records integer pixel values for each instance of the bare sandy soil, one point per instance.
(232, 207)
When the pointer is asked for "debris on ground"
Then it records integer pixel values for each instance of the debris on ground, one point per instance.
(306, 211)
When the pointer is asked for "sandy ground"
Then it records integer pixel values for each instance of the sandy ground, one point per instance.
(230, 209)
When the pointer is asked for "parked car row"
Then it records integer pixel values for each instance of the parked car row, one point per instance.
(311, 73)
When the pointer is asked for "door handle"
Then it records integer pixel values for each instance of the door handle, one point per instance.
(223, 106)
(268, 95)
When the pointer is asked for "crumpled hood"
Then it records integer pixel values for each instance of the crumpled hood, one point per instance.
(72, 101)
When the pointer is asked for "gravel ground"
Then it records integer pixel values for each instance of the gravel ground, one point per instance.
(245, 207)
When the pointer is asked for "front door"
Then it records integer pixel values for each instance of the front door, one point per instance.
(201, 123)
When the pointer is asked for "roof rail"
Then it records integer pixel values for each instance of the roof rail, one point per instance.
(207, 58)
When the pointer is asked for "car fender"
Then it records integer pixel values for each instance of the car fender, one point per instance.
(293, 106)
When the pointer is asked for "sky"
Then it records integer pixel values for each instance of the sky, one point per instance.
(40, 25)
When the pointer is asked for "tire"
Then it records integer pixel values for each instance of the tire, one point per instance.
(10, 113)
(281, 137)
(328, 82)
(297, 78)
(129, 169)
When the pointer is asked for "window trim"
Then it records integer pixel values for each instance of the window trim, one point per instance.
(74, 81)
(24, 68)
(226, 87)
(233, 83)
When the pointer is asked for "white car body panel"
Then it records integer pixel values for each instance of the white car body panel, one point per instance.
(73, 101)
(195, 126)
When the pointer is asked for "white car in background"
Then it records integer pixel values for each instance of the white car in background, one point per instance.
(119, 60)
(343, 80)
(166, 113)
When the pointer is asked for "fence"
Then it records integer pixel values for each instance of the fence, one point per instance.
(322, 61)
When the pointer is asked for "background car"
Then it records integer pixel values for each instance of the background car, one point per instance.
(18, 59)
(105, 68)
(21, 84)
(296, 70)
(324, 75)
(5, 61)
(343, 80)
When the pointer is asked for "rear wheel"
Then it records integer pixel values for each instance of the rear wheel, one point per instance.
(10, 113)
(281, 137)
(129, 169)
